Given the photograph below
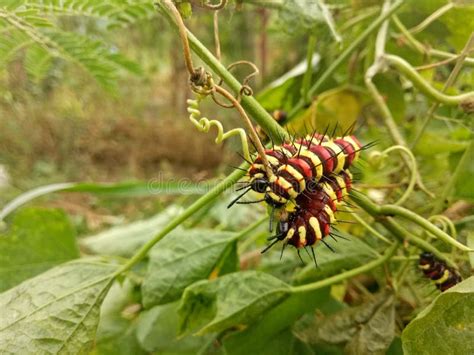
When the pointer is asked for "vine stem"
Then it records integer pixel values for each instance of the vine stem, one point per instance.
(348, 274)
(413, 170)
(342, 57)
(405, 68)
(434, 16)
(387, 116)
(175, 222)
(450, 81)
(419, 47)
(249, 103)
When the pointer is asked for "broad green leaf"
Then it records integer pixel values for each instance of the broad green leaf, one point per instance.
(123, 189)
(433, 143)
(234, 299)
(36, 240)
(392, 92)
(180, 259)
(350, 254)
(365, 329)
(116, 333)
(260, 335)
(446, 326)
(124, 240)
(55, 312)
(470, 244)
(157, 331)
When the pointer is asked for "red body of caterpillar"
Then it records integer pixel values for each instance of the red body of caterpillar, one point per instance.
(301, 164)
(315, 212)
(443, 276)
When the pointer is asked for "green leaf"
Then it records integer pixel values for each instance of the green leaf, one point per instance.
(365, 329)
(446, 326)
(37, 239)
(116, 333)
(122, 189)
(124, 240)
(38, 62)
(351, 253)
(157, 331)
(55, 312)
(300, 16)
(260, 335)
(180, 259)
(238, 298)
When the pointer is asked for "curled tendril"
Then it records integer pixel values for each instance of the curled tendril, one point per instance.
(446, 224)
(245, 89)
(204, 124)
(210, 6)
(379, 157)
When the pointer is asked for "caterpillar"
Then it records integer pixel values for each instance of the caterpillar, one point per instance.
(443, 276)
(301, 164)
(314, 215)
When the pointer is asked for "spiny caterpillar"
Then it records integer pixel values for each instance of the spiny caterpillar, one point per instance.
(443, 276)
(301, 164)
(314, 215)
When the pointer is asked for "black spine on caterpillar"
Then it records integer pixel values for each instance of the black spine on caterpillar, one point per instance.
(314, 214)
(302, 164)
(443, 276)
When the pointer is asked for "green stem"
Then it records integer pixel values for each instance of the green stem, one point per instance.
(348, 274)
(463, 162)
(435, 15)
(175, 222)
(251, 105)
(393, 227)
(405, 68)
(342, 57)
(419, 47)
(309, 66)
(449, 82)
(389, 210)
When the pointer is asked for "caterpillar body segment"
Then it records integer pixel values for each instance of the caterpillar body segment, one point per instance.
(300, 165)
(314, 214)
(443, 276)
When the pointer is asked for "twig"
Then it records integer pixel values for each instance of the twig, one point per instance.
(434, 16)
(342, 57)
(449, 82)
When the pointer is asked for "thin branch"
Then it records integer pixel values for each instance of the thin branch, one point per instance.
(434, 16)
(449, 82)
(348, 274)
(342, 57)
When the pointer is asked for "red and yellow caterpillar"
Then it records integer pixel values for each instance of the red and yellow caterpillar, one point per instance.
(300, 165)
(443, 276)
(311, 220)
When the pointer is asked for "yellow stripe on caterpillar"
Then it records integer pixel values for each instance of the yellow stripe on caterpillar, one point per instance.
(443, 278)
(315, 161)
(296, 174)
(330, 213)
(285, 185)
(290, 233)
(342, 185)
(276, 198)
(314, 223)
(329, 191)
(425, 267)
(272, 160)
(355, 146)
(302, 233)
(341, 158)
(284, 151)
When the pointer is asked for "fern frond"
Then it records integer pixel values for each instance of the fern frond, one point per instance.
(114, 12)
(91, 55)
(37, 63)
